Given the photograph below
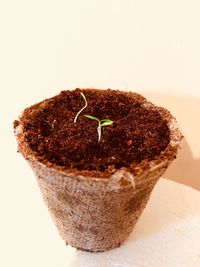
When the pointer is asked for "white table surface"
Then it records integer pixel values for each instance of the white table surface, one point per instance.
(167, 234)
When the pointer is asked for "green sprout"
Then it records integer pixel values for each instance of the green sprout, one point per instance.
(53, 124)
(85, 100)
(102, 123)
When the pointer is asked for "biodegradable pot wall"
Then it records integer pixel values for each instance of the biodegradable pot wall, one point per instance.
(95, 198)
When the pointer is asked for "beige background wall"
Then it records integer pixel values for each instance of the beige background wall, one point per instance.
(146, 46)
(186, 168)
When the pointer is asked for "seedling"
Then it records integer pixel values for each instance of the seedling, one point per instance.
(101, 123)
(53, 124)
(85, 100)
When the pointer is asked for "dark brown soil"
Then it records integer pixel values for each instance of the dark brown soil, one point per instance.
(136, 133)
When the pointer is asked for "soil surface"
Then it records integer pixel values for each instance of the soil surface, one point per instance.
(136, 133)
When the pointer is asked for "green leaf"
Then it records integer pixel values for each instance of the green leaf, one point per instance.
(92, 118)
(105, 120)
(106, 123)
